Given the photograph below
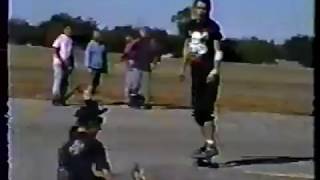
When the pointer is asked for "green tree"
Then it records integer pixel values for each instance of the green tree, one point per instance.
(21, 32)
(181, 19)
(256, 51)
(82, 29)
(229, 47)
(299, 48)
(174, 45)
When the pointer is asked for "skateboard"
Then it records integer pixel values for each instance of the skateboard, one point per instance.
(208, 162)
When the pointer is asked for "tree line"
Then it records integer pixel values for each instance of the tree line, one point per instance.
(252, 50)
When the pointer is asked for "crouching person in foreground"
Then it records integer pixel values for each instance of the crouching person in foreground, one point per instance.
(84, 157)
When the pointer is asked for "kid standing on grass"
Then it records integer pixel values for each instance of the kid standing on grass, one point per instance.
(145, 60)
(63, 63)
(96, 62)
(128, 57)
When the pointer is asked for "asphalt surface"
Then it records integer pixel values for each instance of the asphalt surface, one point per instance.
(253, 145)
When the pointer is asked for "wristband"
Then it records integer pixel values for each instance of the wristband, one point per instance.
(218, 56)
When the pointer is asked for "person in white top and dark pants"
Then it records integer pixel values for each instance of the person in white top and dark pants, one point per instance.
(63, 63)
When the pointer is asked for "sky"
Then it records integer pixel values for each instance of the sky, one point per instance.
(265, 19)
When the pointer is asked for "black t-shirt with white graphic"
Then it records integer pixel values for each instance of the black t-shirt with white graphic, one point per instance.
(78, 155)
(202, 34)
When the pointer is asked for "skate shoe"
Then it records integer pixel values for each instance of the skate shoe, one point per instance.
(207, 151)
(199, 152)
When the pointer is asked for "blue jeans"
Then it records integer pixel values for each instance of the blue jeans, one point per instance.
(137, 82)
(60, 82)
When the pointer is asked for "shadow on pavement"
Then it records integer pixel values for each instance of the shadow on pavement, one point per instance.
(252, 160)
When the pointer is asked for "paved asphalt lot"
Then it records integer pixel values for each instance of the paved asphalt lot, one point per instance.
(253, 145)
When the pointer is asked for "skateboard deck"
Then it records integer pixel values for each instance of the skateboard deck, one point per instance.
(206, 162)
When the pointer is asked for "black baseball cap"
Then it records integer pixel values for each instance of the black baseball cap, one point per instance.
(90, 109)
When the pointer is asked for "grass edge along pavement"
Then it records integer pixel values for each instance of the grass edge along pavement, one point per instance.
(245, 87)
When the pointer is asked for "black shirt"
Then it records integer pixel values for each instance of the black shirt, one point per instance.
(78, 155)
(211, 31)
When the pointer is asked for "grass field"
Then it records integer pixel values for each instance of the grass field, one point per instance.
(244, 87)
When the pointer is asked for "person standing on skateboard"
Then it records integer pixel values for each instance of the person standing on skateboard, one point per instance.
(202, 51)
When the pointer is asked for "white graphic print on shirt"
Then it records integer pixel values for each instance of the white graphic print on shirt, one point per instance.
(76, 147)
(197, 45)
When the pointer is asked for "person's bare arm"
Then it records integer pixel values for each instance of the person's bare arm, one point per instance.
(155, 62)
(57, 52)
(124, 56)
(56, 46)
(156, 53)
(185, 58)
(156, 59)
(218, 55)
(217, 61)
(102, 166)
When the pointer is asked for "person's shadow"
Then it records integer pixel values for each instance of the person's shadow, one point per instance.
(254, 160)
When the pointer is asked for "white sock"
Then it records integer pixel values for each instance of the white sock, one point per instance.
(209, 141)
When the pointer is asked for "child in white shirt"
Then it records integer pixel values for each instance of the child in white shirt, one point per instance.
(62, 65)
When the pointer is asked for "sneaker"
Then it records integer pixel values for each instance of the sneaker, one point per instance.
(206, 151)
(55, 102)
(211, 150)
(199, 152)
(59, 103)
(147, 106)
(136, 101)
(63, 103)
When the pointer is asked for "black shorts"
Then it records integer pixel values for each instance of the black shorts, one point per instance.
(204, 95)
